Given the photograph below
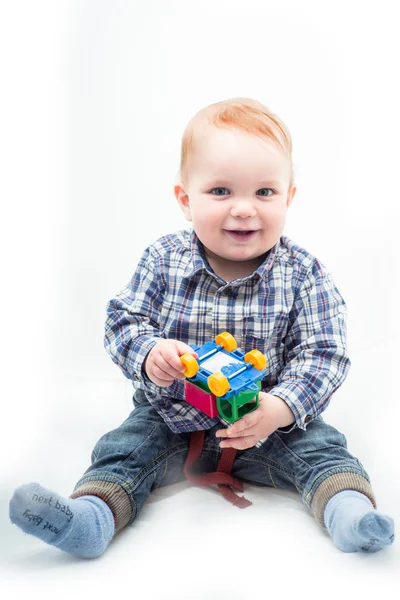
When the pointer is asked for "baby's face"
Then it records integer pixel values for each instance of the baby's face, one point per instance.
(236, 196)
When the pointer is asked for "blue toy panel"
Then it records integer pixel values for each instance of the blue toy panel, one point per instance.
(246, 376)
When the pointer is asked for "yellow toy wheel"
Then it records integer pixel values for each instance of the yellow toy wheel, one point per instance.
(256, 358)
(218, 384)
(191, 364)
(227, 341)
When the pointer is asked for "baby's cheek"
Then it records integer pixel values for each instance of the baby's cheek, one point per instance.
(276, 213)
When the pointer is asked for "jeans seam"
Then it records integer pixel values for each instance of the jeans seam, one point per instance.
(286, 471)
(266, 462)
(127, 486)
(294, 454)
(150, 466)
(271, 478)
(165, 469)
(137, 447)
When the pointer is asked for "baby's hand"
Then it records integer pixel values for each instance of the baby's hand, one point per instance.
(272, 412)
(163, 365)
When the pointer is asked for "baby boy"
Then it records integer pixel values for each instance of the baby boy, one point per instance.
(234, 271)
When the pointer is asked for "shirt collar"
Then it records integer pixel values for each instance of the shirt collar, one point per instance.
(267, 263)
(199, 261)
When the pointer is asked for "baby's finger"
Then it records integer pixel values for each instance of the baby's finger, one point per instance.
(241, 427)
(161, 382)
(165, 374)
(184, 348)
(168, 368)
(172, 362)
(240, 443)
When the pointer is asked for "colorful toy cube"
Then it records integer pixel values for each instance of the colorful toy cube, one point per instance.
(222, 380)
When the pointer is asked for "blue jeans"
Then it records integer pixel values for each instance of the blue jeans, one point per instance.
(144, 454)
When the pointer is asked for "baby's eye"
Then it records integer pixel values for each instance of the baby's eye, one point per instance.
(264, 192)
(220, 191)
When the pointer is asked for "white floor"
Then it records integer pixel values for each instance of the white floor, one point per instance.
(189, 543)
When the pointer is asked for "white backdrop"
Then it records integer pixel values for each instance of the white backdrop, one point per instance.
(95, 95)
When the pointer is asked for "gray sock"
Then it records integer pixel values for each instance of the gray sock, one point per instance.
(82, 526)
(355, 525)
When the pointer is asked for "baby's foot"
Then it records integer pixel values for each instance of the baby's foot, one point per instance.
(354, 524)
(82, 526)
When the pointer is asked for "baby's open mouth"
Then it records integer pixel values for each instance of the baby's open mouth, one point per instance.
(243, 234)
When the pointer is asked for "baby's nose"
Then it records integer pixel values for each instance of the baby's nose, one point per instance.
(243, 208)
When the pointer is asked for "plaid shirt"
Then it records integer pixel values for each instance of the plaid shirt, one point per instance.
(288, 308)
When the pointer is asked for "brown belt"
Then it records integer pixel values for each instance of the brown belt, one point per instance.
(221, 476)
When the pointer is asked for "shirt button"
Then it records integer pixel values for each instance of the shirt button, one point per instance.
(307, 419)
(136, 377)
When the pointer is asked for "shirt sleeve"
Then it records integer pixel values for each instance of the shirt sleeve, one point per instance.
(132, 327)
(316, 360)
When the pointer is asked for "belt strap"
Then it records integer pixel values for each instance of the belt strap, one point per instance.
(221, 476)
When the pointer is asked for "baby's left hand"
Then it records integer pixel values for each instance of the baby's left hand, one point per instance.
(272, 412)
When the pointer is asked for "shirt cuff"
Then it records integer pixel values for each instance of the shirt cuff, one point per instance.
(299, 402)
(140, 347)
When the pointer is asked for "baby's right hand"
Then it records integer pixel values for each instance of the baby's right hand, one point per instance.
(163, 365)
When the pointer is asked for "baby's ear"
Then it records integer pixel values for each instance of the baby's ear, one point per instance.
(183, 200)
(290, 195)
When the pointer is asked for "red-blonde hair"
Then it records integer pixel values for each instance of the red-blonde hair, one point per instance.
(243, 113)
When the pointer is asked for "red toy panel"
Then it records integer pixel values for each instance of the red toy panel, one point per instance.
(202, 400)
